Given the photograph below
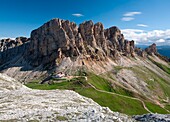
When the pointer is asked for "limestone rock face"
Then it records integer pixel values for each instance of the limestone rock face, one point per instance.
(47, 40)
(10, 49)
(99, 35)
(21, 40)
(113, 34)
(132, 48)
(87, 31)
(151, 49)
(11, 53)
(57, 39)
(140, 52)
(6, 44)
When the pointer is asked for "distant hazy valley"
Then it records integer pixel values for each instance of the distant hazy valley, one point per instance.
(164, 50)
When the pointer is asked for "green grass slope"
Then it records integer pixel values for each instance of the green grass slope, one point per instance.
(114, 102)
(162, 66)
(155, 108)
(155, 83)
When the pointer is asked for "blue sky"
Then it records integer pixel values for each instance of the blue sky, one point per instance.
(136, 18)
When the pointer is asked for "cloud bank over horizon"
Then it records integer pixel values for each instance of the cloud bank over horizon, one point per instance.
(141, 37)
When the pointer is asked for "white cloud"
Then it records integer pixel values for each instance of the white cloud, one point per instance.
(77, 15)
(160, 37)
(142, 25)
(127, 18)
(160, 41)
(130, 14)
(132, 30)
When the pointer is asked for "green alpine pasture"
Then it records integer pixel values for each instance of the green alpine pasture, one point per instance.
(114, 102)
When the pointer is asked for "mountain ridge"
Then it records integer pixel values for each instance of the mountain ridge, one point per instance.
(88, 39)
(111, 64)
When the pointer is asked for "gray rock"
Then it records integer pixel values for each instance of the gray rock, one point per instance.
(153, 118)
(21, 104)
(59, 38)
(151, 49)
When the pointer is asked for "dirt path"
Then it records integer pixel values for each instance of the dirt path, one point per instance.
(144, 106)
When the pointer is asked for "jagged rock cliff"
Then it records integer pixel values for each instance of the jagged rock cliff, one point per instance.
(6, 44)
(62, 46)
(59, 38)
(59, 44)
(9, 49)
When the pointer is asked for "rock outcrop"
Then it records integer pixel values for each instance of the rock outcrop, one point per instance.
(6, 44)
(57, 39)
(9, 48)
(12, 53)
(151, 49)
(140, 52)
(153, 118)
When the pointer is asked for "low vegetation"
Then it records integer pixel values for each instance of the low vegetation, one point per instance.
(114, 102)
(155, 108)
(167, 107)
(75, 83)
(155, 82)
(61, 118)
(100, 83)
(162, 66)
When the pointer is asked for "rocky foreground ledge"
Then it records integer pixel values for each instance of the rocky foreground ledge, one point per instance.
(153, 118)
(19, 103)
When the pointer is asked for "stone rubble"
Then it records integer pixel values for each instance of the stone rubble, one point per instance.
(20, 104)
(153, 118)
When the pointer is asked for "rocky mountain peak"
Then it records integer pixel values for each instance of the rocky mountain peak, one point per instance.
(62, 38)
(57, 39)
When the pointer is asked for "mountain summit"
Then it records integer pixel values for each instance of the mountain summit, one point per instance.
(95, 62)
(57, 39)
